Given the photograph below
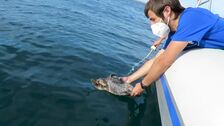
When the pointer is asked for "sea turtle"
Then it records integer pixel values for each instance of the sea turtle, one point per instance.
(113, 84)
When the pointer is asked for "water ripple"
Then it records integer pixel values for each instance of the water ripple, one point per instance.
(49, 51)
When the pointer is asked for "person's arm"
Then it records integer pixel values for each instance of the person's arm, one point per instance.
(160, 65)
(164, 61)
(143, 70)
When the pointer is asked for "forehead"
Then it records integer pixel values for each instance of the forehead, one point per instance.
(152, 14)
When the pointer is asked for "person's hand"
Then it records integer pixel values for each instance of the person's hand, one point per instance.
(125, 79)
(137, 90)
(157, 43)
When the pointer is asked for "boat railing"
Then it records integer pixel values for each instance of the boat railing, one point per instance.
(202, 2)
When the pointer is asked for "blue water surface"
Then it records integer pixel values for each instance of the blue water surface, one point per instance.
(49, 51)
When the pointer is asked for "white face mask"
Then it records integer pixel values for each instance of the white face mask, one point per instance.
(160, 29)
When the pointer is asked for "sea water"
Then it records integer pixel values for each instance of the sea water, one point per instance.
(143, 60)
(49, 51)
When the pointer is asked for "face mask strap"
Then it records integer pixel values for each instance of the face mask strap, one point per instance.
(168, 21)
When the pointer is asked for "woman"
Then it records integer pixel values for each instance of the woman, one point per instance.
(186, 28)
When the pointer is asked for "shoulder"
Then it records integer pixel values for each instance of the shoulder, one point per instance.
(197, 11)
(197, 15)
(195, 18)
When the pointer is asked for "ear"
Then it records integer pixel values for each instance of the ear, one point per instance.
(167, 12)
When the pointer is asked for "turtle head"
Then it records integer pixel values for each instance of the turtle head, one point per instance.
(100, 84)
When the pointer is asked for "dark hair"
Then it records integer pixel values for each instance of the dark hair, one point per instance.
(157, 6)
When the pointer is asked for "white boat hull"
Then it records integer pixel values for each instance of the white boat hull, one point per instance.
(195, 83)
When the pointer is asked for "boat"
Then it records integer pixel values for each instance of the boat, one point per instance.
(191, 92)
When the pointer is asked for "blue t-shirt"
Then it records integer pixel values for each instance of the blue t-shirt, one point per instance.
(200, 28)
